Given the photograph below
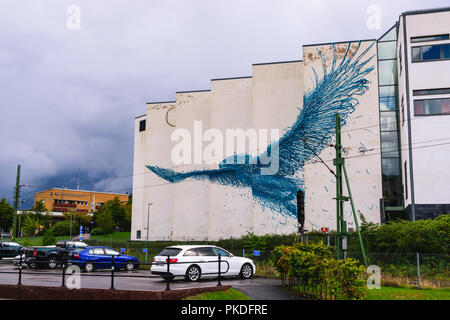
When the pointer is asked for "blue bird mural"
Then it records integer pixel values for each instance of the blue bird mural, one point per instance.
(335, 92)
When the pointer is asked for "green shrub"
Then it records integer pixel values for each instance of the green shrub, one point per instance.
(62, 228)
(315, 270)
(48, 238)
(98, 231)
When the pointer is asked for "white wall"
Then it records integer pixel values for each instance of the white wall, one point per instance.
(430, 158)
(270, 99)
(364, 171)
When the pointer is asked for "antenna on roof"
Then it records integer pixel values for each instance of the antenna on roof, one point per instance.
(78, 181)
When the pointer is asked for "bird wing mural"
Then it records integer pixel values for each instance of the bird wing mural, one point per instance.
(221, 176)
(334, 93)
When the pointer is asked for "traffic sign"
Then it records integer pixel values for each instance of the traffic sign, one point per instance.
(324, 229)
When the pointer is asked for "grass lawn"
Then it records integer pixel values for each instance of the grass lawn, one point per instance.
(114, 237)
(229, 294)
(391, 293)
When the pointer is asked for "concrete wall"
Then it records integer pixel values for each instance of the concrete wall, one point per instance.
(195, 209)
(271, 98)
(361, 130)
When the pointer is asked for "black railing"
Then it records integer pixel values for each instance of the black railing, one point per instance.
(168, 276)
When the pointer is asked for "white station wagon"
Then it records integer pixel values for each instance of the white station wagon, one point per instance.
(195, 261)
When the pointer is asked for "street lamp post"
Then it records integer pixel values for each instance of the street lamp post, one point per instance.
(146, 239)
(71, 224)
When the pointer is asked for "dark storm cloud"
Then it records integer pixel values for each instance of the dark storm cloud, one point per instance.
(68, 98)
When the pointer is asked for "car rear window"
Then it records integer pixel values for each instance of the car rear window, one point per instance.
(60, 243)
(205, 251)
(81, 245)
(170, 252)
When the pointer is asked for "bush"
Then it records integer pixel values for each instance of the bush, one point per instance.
(424, 236)
(63, 228)
(98, 231)
(48, 239)
(316, 272)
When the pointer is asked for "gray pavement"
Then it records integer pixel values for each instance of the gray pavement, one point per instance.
(256, 288)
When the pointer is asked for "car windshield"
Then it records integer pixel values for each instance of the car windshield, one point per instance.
(170, 252)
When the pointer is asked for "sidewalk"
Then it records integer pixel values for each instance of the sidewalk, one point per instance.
(267, 289)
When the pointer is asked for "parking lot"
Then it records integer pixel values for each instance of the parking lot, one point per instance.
(256, 288)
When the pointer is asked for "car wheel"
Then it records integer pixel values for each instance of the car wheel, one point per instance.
(52, 263)
(130, 266)
(193, 273)
(89, 267)
(32, 265)
(246, 271)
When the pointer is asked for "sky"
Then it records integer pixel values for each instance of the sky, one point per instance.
(74, 74)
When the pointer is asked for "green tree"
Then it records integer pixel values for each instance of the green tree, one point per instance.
(118, 213)
(48, 239)
(82, 218)
(115, 211)
(6, 215)
(128, 207)
(41, 214)
(39, 207)
(104, 220)
(30, 226)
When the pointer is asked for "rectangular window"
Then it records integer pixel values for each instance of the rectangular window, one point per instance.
(431, 107)
(388, 98)
(390, 167)
(386, 50)
(430, 38)
(389, 144)
(388, 121)
(427, 92)
(431, 53)
(400, 60)
(406, 182)
(392, 188)
(387, 71)
(141, 125)
(138, 234)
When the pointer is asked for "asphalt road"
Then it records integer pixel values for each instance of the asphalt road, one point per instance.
(255, 288)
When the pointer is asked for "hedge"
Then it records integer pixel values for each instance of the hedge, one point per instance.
(311, 270)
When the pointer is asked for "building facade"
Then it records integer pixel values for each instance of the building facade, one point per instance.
(380, 87)
(63, 200)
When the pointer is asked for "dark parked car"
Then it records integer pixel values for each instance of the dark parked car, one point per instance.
(51, 256)
(9, 249)
(101, 258)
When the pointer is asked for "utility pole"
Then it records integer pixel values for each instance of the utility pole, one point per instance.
(78, 180)
(16, 202)
(341, 224)
(341, 229)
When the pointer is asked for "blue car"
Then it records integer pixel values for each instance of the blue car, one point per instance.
(101, 258)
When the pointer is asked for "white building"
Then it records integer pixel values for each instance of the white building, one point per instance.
(201, 199)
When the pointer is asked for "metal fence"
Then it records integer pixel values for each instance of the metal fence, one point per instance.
(403, 268)
(168, 275)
